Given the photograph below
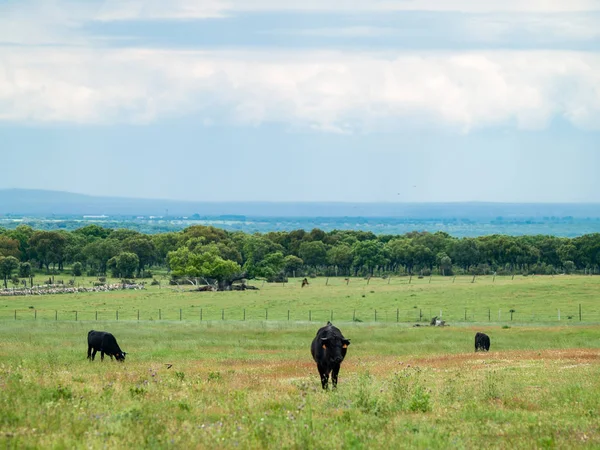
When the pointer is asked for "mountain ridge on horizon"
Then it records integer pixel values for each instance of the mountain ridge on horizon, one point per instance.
(40, 202)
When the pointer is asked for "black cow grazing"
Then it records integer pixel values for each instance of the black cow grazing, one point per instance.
(482, 342)
(105, 343)
(328, 350)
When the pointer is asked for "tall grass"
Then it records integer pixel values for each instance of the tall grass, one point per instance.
(254, 385)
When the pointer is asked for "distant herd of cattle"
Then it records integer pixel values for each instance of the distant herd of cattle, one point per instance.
(328, 349)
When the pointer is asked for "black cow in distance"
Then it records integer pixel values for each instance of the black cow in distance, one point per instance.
(328, 349)
(104, 343)
(482, 342)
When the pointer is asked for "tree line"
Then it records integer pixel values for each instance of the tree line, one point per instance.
(216, 255)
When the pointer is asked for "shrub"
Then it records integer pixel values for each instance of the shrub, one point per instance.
(77, 269)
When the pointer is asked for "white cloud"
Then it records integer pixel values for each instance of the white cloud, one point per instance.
(414, 5)
(178, 9)
(543, 27)
(330, 91)
(159, 9)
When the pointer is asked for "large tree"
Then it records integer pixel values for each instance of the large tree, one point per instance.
(143, 247)
(313, 253)
(341, 257)
(99, 252)
(207, 266)
(124, 265)
(9, 247)
(48, 247)
(8, 264)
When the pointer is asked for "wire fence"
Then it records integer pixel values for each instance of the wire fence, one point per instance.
(423, 316)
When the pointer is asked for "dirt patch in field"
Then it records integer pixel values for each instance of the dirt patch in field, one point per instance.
(570, 356)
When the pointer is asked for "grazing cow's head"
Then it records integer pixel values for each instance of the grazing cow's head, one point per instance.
(120, 356)
(335, 346)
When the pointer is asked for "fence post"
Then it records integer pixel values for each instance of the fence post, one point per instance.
(223, 314)
(309, 315)
(244, 314)
(159, 315)
(499, 319)
(580, 312)
(96, 315)
(15, 314)
(200, 314)
(288, 315)
(35, 314)
(331, 318)
(327, 281)
(410, 278)
(397, 315)
(180, 314)
(420, 315)
(354, 316)
(375, 315)
(465, 314)
(266, 313)
(55, 315)
(75, 316)
(117, 314)
(138, 315)
(430, 278)
(489, 315)
(559, 315)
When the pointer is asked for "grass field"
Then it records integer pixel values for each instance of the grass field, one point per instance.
(253, 384)
(534, 300)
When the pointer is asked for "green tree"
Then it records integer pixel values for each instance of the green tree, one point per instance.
(77, 269)
(341, 257)
(256, 248)
(22, 234)
(8, 264)
(444, 262)
(465, 252)
(143, 247)
(123, 265)
(369, 254)
(93, 231)
(208, 266)
(292, 264)
(98, 253)
(270, 266)
(165, 243)
(313, 253)
(48, 247)
(25, 270)
(9, 247)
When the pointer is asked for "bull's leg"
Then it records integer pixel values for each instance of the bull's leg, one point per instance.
(89, 352)
(101, 355)
(324, 373)
(334, 375)
(111, 356)
(94, 354)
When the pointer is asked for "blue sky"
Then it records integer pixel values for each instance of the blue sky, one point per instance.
(362, 100)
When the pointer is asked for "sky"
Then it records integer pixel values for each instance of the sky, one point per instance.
(313, 100)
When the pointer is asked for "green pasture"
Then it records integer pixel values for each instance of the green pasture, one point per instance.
(533, 299)
(254, 385)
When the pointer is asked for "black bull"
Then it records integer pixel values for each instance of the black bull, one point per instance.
(482, 342)
(105, 343)
(328, 349)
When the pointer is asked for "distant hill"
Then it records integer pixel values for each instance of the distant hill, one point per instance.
(42, 203)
